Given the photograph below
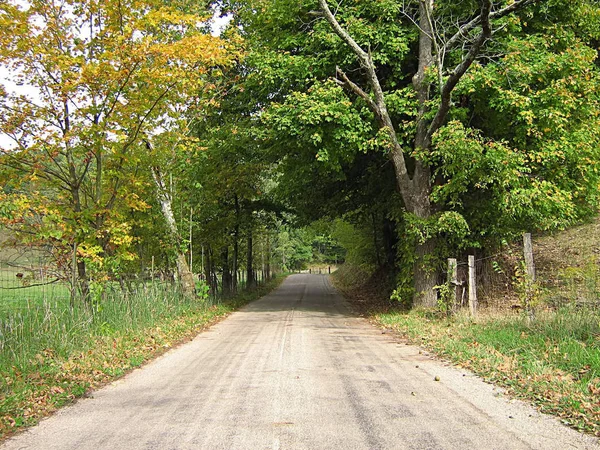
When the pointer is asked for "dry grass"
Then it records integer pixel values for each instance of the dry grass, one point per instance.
(568, 265)
(574, 247)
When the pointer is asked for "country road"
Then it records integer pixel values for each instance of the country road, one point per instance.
(298, 370)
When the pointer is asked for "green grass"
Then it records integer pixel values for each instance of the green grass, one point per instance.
(51, 354)
(20, 298)
(553, 361)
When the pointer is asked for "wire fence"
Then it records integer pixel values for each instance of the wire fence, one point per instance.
(29, 277)
(513, 278)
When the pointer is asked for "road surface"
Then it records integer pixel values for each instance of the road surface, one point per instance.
(298, 370)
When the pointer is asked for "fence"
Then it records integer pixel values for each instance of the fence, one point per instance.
(569, 284)
(463, 292)
(33, 276)
(28, 276)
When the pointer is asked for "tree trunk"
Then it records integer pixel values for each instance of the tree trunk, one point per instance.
(425, 272)
(390, 239)
(268, 264)
(84, 282)
(250, 262)
(375, 242)
(82, 277)
(234, 279)
(207, 270)
(184, 275)
(236, 245)
(226, 279)
(425, 275)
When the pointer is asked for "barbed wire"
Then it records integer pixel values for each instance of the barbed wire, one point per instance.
(31, 285)
(482, 259)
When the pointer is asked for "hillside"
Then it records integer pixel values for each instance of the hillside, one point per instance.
(568, 263)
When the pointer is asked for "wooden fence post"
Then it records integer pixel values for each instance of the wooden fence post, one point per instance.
(453, 281)
(530, 276)
(472, 286)
(74, 276)
(528, 253)
(152, 271)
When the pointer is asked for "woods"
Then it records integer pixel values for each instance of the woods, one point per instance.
(431, 129)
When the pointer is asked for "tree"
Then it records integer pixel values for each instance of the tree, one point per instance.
(101, 75)
(433, 45)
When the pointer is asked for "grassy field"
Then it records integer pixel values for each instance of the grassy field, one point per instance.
(51, 354)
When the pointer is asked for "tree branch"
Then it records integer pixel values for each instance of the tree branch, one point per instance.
(378, 105)
(460, 70)
(434, 39)
(135, 136)
(349, 84)
(362, 55)
(461, 33)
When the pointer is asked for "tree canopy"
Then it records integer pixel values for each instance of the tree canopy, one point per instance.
(407, 130)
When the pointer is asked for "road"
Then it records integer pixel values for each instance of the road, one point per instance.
(298, 370)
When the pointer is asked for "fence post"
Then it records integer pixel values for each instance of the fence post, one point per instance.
(74, 276)
(152, 272)
(472, 287)
(453, 281)
(530, 276)
(191, 242)
(528, 253)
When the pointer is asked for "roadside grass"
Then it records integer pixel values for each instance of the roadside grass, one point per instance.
(553, 361)
(51, 355)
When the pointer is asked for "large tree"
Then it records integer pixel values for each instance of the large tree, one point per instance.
(100, 76)
(433, 84)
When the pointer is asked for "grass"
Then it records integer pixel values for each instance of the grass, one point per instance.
(553, 362)
(51, 355)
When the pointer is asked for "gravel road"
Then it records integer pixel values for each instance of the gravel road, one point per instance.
(298, 370)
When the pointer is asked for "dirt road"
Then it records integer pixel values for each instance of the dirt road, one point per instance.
(297, 370)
